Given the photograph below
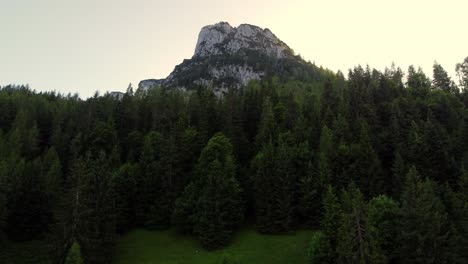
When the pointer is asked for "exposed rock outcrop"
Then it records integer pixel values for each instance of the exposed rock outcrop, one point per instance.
(226, 58)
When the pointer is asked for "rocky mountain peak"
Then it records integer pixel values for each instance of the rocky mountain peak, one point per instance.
(222, 38)
(229, 57)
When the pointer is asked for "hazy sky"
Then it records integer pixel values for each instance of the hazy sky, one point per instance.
(88, 45)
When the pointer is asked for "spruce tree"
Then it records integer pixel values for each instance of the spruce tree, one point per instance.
(461, 216)
(424, 228)
(74, 255)
(398, 174)
(462, 72)
(319, 249)
(330, 221)
(267, 129)
(383, 220)
(310, 200)
(125, 189)
(353, 233)
(274, 180)
(264, 182)
(212, 203)
(3, 198)
(441, 80)
(93, 220)
(154, 188)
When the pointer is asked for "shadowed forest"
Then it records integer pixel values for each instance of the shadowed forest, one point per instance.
(376, 163)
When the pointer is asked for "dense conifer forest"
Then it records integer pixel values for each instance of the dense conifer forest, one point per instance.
(376, 162)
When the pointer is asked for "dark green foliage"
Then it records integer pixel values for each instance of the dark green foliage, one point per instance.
(267, 129)
(274, 187)
(461, 217)
(29, 209)
(319, 249)
(331, 220)
(383, 220)
(292, 135)
(125, 189)
(310, 199)
(353, 245)
(211, 205)
(4, 189)
(153, 197)
(418, 82)
(74, 255)
(398, 174)
(462, 72)
(441, 79)
(93, 220)
(424, 229)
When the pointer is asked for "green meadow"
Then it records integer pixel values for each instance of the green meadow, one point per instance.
(168, 247)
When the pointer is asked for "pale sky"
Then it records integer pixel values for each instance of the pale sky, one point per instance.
(87, 45)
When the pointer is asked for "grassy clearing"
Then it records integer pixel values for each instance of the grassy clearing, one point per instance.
(31, 252)
(168, 247)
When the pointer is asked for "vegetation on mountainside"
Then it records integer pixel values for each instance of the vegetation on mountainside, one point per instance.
(377, 162)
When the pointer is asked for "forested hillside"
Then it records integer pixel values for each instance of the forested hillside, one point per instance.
(377, 162)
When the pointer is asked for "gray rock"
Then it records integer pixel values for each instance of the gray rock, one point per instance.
(221, 60)
(145, 85)
(117, 95)
(222, 37)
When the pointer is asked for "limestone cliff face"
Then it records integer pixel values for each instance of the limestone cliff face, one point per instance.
(221, 38)
(226, 58)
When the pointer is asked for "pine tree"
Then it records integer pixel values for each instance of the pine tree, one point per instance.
(319, 249)
(30, 211)
(125, 190)
(218, 208)
(212, 203)
(462, 72)
(398, 173)
(310, 200)
(52, 175)
(418, 81)
(353, 233)
(93, 219)
(330, 221)
(435, 163)
(284, 177)
(366, 168)
(74, 255)
(3, 198)
(326, 142)
(153, 200)
(383, 220)
(441, 80)
(263, 167)
(461, 216)
(267, 129)
(423, 231)
(274, 179)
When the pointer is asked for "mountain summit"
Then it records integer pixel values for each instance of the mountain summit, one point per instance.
(229, 57)
(222, 38)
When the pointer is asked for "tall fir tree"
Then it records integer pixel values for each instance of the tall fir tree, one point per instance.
(212, 203)
(330, 221)
(353, 244)
(383, 220)
(441, 79)
(93, 219)
(74, 255)
(424, 228)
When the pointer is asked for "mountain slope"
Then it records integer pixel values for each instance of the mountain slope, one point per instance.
(227, 57)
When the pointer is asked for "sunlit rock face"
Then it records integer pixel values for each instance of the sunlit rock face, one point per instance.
(226, 58)
(221, 38)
